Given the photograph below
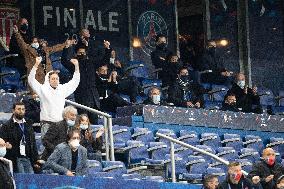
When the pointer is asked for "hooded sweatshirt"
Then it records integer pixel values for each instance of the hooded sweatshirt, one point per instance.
(52, 101)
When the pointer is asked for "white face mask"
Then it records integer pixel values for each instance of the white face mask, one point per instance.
(83, 126)
(70, 123)
(74, 143)
(241, 84)
(111, 60)
(2, 151)
(156, 99)
(35, 45)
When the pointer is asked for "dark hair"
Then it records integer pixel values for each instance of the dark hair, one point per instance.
(233, 164)
(207, 179)
(71, 132)
(152, 88)
(17, 104)
(53, 72)
(182, 68)
(80, 46)
(79, 119)
(159, 36)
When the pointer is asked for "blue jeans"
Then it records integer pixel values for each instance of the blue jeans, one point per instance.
(24, 165)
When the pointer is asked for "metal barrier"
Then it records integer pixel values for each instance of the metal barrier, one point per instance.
(172, 153)
(107, 128)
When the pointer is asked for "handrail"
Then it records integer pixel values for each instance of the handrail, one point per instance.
(109, 147)
(172, 140)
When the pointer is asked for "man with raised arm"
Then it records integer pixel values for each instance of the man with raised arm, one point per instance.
(52, 94)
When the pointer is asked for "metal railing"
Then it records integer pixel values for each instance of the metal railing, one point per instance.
(172, 153)
(109, 147)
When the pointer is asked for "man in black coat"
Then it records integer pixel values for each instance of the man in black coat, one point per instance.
(6, 180)
(186, 93)
(86, 93)
(267, 170)
(209, 61)
(160, 54)
(20, 138)
(236, 180)
(19, 61)
(32, 106)
(245, 96)
(229, 103)
(173, 65)
(57, 133)
(107, 86)
(154, 98)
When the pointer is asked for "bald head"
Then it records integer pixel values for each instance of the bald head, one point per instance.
(268, 152)
(2, 143)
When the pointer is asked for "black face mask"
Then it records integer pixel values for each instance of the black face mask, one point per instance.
(18, 117)
(24, 27)
(81, 57)
(162, 45)
(104, 76)
(184, 78)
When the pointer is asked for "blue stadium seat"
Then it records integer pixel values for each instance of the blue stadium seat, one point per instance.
(143, 134)
(219, 92)
(158, 151)
(253, 141)
(94, 167)
(250, 154)
(134, 176)
(179, 164)
(167, 132)
(117, 168)
(189, 137)
(207, 149)
(140, 71)
(12, 81)
(6, 102)
(212, 105)
(267, 97)
(136, 152)
(277, 144)
(197, 166)
(155, 178)
(233, 140)
(218, 172)
(183, 152)
(281, 101)
(210, 139)
(148, 83)
(121, 134)
(228, 153)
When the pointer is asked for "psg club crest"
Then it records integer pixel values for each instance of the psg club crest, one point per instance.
(150, 24)
(8, 18)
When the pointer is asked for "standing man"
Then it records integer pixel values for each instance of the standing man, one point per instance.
(52, 94)
(20, 141)
(267, 170)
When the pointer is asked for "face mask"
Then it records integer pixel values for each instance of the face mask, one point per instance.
(82, 57)
(74, 144)
(232, 104)
(70, 123)
(241, 84)
(270, 161)
(104, 76)
(83, 126)
(162, 45)
(237, 176)
(24, 27)
(35, 45)
(111, 60)
(2, 151)
(156, 99)
(184, 78)
(19, 117)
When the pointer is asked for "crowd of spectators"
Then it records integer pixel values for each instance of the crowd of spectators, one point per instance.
(98, 80)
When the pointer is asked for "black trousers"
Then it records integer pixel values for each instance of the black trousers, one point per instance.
(130, 86)
(113, 101)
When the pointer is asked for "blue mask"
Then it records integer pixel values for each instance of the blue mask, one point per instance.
(241, 84)
(2, 151)
(83, 127)
(70, 123)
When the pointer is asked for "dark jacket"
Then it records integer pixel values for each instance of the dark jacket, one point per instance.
(176, 94)
(86, 93)
(104, 87)
(60, 160)
(32, 110)
(227, 107)
(12, 133)
(56, 134)
(244, 183)
(94, 145)
(149, 101)
(263, 170)
(156, 54)
(244, 101)
(6, 180)
(170, 71)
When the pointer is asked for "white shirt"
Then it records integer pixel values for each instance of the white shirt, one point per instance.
(52, 101)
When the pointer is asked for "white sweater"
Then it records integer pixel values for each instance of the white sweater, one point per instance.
(52, 101)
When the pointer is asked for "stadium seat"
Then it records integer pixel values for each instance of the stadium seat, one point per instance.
(277, 144)
(167, 132)
(189, 137)
(155, 178)
(158, 151)
(267, 97)
(253, 141)
(11, 82)
(134, 176)
(136, 152)
(197, 166)
(210, 139)
(94, 167)
(121, 134)
(179, 165)
(6, 102)
(228, 153)
(246, 164)
(143, 134)
(207, 149)
(250, 154)
(233, 140)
